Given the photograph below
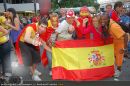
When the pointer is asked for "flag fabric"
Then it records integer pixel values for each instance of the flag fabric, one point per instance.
(82, 60)
(45, 36)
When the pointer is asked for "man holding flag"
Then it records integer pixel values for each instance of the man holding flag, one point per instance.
(27, 46)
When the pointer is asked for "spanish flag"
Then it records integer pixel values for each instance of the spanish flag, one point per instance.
(82, 60)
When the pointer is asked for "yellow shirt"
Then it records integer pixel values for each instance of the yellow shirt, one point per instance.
(32, 33)
(3, 39)
(49, 23)
(2, 22)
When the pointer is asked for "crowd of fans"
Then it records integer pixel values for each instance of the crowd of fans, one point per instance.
(28, 35)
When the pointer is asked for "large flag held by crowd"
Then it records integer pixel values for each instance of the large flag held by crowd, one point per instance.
(82, 60)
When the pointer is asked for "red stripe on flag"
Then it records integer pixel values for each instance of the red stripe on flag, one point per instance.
(82, 43)
(60, 73)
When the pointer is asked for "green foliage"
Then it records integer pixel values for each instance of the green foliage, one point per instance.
(73, 3)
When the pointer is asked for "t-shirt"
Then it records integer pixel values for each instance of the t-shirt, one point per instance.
(2, 22)
(125, 19)
(97, 34)
(3, 39)
(80, 28)
(114, 16)
(115, 30)
(2, 19)
(49, 23)
(30, 29)
(63, 30)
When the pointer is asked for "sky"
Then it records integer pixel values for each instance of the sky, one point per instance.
(106, 1)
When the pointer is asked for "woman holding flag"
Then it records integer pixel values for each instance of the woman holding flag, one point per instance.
(120, 39)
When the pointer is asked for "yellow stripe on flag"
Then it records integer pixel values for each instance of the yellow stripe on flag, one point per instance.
(81, 58)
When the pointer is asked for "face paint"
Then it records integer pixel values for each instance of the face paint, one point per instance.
(84, 13)
(54, 21)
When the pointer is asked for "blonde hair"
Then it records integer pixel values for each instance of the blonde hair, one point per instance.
(98, 17)
(54, 14)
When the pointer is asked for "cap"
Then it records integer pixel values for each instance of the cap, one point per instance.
(70, 13)
(84, 8)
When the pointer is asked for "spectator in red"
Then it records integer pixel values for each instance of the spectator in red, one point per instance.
(84, 14)
(94, 28)
(49, 36)
(114, 14)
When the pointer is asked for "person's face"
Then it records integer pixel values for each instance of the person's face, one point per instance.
(70, 20)
(84, 13)
(10, 14)
(42, 28)
(123, 11)
(6, 14)
(95, 22)
(108, 9)
(62, 12)
(104, 20)
(54, 21)
(119, 9)
(54, 18)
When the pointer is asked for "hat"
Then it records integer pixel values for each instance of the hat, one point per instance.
(84, 8)
(70, 13)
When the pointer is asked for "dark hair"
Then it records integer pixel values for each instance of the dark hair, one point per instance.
(105, 14)
(43, 21)
(105, 30)
(13, 11)
(118, 4)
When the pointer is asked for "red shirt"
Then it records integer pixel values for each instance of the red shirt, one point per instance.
(35, 19)
(97, 34)
(80, 29)
(46, 35)
(114, 16)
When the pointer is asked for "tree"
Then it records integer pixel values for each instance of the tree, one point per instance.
(73, 3)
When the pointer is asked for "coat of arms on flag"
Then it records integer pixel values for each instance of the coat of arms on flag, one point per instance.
(96, 58)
